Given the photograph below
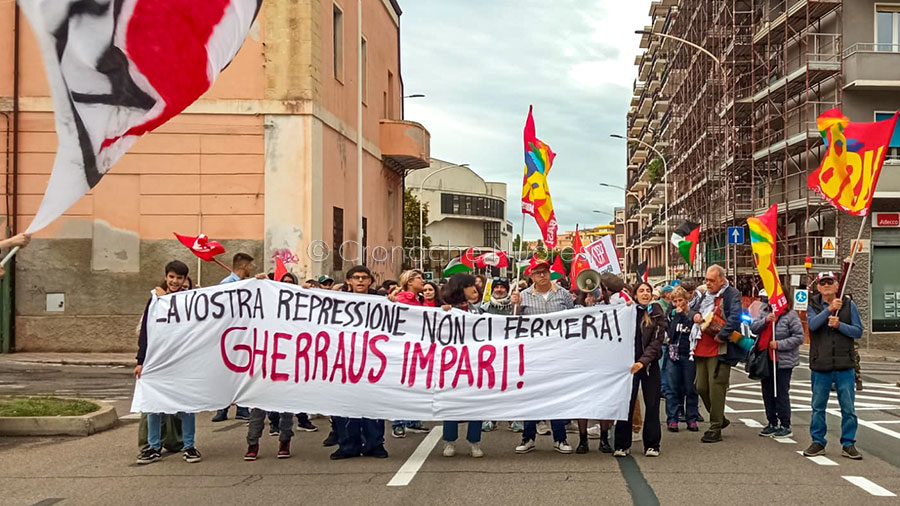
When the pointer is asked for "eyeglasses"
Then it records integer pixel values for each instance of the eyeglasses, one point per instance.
(361, 277)
(826, 282)
(540, 273)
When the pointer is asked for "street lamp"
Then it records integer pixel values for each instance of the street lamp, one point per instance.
(604, 212)
(665, 182)
(415, 95)
(422, 210)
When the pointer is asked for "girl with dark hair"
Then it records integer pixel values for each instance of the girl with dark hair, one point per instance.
(461, 293)
(288, 278)
(648, 339)
(431, 296)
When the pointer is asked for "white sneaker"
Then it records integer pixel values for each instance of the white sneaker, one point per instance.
(572, 427)
(594, 431)
(477, 452)
(488, 426)
(621, 453)
(636, 436)
(449, 449)
(543, 428)
(651, 452)
(515, 427)
(562, 447)
(526, 446)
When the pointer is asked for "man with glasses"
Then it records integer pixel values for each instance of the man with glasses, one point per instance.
(359, 436)
(543, 297)
(834, 325)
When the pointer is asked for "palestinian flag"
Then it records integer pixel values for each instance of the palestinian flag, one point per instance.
(465, 263)
(643, 271)
(557, 270)
(685, 238)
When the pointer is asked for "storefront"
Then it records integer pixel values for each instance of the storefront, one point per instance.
(885, 286)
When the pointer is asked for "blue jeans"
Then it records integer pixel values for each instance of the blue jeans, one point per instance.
(845, 381)
(664, 364)
(682, 390)
(358, 435)
(154, 427)
(558, 426)
(473, 431)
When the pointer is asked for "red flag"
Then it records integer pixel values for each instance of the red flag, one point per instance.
(557, 270)
(280, 269)
(579, 262)
(468, 258)
(496, 259)
(849, 172)
(202, 246)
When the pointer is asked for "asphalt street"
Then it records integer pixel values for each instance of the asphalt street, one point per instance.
(743, 469)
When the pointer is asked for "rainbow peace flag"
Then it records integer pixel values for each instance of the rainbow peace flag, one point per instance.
(851, 166)
(762, 240)
(535, 192)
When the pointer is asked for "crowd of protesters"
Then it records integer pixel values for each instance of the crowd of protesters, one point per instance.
(678, 355)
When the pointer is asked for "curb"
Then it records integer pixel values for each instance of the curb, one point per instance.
(63, 361)
(84, 425)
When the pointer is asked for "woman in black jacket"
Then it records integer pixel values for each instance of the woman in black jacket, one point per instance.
(649, 333)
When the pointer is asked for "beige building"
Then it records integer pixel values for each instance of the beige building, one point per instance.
(294, 152)
(464, 211)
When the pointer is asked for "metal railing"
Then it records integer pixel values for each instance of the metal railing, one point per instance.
(871, 47)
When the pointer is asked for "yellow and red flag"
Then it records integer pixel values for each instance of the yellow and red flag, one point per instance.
(849, 172)
(535, 192)
(762, 240)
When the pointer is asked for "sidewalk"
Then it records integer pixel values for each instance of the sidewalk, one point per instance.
(86, 359)
(870, 355)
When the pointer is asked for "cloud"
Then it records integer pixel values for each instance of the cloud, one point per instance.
(480, 64)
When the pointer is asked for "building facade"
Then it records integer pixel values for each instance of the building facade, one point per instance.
(464, 211)
(741, 136)
(293, 153)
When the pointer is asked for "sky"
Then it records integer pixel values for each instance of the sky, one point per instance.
(481, 63)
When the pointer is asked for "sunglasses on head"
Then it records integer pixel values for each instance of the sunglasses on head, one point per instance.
(501, 280)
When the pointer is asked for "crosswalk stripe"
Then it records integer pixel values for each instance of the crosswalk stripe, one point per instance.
(820, 459)
(869, 486)
(785, 440)
(753, 424)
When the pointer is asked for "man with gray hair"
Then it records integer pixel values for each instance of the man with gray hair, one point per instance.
(713, 351)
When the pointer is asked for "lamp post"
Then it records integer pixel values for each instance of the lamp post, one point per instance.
(414, 95)
(666, 198)
(422, 211)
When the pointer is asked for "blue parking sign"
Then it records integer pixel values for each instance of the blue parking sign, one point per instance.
(735, 235)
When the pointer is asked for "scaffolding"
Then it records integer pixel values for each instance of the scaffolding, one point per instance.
(737, 137)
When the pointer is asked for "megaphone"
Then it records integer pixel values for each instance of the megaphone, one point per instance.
(588, 280)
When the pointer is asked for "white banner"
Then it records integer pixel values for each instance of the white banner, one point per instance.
(278, 347)
(602, 255)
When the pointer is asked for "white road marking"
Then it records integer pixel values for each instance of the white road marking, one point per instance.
(749, 422)
(820, 459)
(785, 440)
(875, 427)
(885, 421)
(412, 465)
(869, 486)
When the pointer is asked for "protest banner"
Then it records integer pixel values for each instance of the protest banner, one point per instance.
(602, 255)
(278, 347)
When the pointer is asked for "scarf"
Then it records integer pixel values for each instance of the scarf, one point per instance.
(706, 305)
(503, 303)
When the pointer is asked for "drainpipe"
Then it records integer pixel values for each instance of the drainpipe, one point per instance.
(14, 218)
(359, 130)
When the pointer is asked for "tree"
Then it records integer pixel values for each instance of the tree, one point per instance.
(411, 228)
(517, 245)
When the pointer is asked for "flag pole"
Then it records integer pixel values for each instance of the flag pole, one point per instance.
(216, 260)
(853, 248)
(9, 255)
(774, 361)
(519, 272)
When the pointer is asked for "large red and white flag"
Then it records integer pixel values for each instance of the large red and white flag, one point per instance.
(121, 68)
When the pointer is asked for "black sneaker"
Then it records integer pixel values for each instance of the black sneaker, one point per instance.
(273, 431)
(783, 432)
(284, 449)
(306, 426)
(711, 436)
(768, 431)
(331, 440)
(850, 452)
(814, 450)
(191, 455)
(605, 447)
(252, 452)
(378, 452)
(148, 456)
(417, 428)
(242, 414)
(221, 415)
(582, 446)
(339, 455)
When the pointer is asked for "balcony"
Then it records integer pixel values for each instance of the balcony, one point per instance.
(405, 145)
(872, 67)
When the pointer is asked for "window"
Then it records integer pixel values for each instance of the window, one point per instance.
(337, 238)
(468, 205)
(885, 289)
(893, 153)
(887, 27)
(492, 234)
(363, 55)
(338, 43)
(389, 114)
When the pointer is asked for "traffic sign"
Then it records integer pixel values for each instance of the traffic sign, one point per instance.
(829, 248)
(735, 235)
(801, 300)
(428, 276)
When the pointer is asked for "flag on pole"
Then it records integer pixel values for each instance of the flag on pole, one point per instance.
(535, 192)
(201, 246)
(557, 270)
(686, 237)
(579, 261)
(762, 240)
(280, 269)
(118, 70)
(643, 272)
(496, 259)
(849, 172)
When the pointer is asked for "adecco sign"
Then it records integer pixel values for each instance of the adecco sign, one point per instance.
(886, 220)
